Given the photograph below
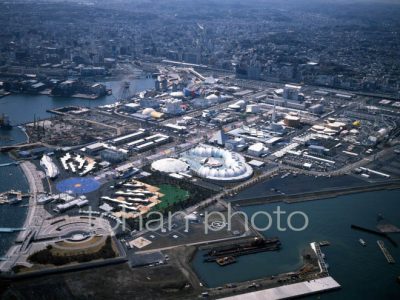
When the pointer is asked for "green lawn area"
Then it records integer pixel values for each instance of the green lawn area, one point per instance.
(172, 194)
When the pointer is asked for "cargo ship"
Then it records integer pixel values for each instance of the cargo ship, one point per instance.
(238, 249)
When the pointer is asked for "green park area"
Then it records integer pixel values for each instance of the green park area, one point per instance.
(172, 196)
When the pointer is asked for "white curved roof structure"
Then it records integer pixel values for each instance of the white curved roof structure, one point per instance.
(148, 111)
(49, 166)
(231, 167)
(212, 97)
(170, 165)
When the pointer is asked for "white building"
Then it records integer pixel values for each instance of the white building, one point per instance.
(173, 107)
(217, 164)
(257, 149)
(170, 165)
(253, 109)
(291, 92)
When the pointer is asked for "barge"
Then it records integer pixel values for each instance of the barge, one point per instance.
(238, 249)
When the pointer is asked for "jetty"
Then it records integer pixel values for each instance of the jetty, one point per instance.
(12, 197)
(10, 229)
(385, 252)
(14, 163)
(383, 234)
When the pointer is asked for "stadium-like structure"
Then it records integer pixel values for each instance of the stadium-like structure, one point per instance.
(217, 164)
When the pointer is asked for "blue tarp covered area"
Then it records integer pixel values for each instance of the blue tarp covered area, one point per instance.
(78, 185)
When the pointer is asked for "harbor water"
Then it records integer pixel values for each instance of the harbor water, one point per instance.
(11, 177)
(22, 109)
(363, 272)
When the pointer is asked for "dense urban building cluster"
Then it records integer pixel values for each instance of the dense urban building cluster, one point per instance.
(333, 44)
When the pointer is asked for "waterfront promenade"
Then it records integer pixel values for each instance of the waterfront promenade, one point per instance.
(35, 216)
(35, 213)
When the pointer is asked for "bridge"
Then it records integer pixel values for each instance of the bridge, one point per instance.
(19, 146)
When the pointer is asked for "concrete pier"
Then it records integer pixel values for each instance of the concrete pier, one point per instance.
(385, 252)
(290, 290)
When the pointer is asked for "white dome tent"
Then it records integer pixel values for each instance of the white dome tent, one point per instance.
(217, 164)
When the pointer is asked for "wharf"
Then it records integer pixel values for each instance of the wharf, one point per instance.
(12, 197)
(290, 290)
(14, 163)
(385, 252)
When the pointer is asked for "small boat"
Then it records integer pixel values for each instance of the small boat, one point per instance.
(224, 261)
(324, 243)
(14, 201)
(362, 242)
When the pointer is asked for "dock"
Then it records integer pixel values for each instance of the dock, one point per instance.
(291, 290)
(12, 197)
(10, 230)
(15, 163)
(385, 252)
(320, 256)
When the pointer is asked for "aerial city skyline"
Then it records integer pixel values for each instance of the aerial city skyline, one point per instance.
(199, 149)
